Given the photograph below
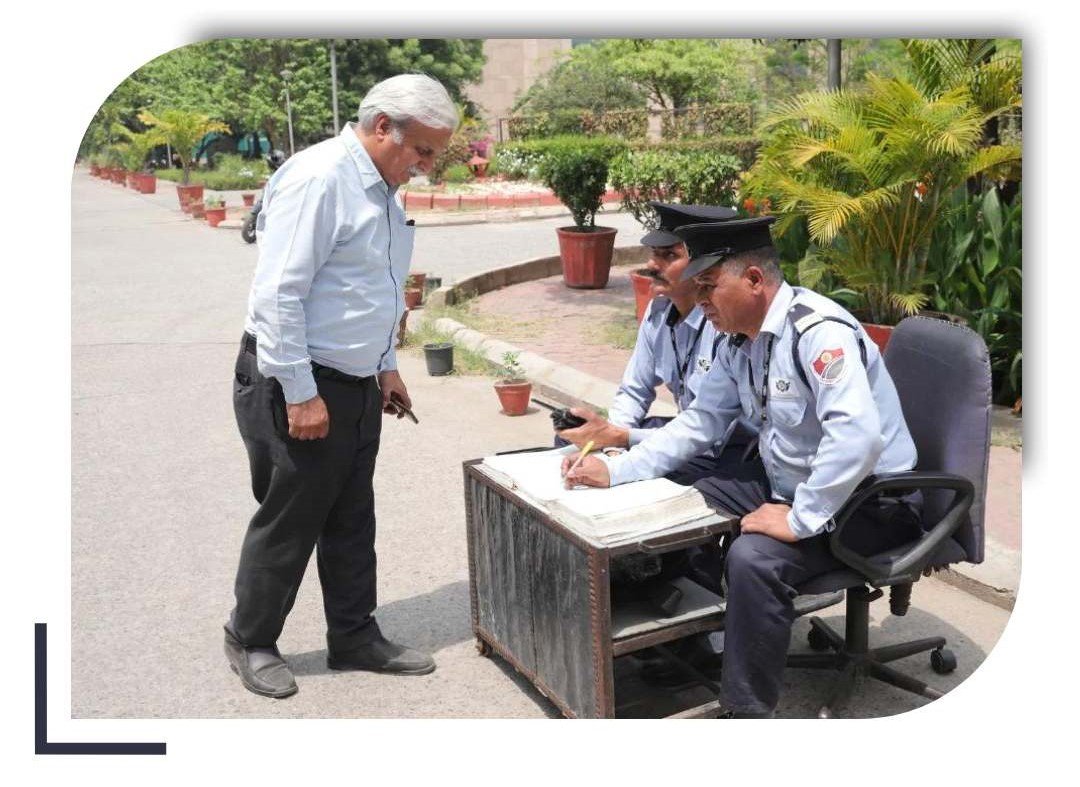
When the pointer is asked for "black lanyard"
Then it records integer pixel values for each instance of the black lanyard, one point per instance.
(680, 365)
(765, 381)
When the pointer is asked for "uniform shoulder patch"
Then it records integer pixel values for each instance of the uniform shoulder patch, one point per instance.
(829, 366)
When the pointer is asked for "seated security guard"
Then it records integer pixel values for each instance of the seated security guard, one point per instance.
(801, 367)
(675, 346)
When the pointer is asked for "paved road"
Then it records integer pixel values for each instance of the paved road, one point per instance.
(160, 499)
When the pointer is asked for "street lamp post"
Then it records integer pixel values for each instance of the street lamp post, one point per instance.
(286, 75)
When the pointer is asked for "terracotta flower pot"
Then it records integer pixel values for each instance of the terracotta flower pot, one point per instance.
(418, 280)
(146, 183)
(188, 194)
(119, 176)
(514, 396)
(879, 333)
(215, 216)
(413, 298)
(95, 170)
(249, 200)
(197, 210)
(586, 256)
(132, 180)
(642, 292)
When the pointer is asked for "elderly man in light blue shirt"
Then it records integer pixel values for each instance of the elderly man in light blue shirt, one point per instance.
(316, 370)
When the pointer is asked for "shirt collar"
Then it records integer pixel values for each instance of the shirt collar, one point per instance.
(369, 175)
(776, 317)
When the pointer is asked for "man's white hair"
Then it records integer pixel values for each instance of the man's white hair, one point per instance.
(408, 97)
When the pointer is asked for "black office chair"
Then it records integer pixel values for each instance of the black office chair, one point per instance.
(942, 374)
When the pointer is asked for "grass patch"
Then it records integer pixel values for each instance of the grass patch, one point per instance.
(619, 332)
(466, 362)
(493, 325)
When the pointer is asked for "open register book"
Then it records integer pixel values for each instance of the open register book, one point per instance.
(614, 516)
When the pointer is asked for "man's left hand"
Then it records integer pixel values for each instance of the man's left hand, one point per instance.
(771, 520)
(392, 385)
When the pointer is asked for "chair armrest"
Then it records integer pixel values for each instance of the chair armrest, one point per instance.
(906, 566)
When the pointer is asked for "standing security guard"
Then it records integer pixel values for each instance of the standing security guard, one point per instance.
(675, 347)
(803, 370)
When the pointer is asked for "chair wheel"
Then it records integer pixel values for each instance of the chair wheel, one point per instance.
(817, 640)
(942, 661)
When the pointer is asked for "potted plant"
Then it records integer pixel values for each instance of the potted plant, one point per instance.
(182, 131)
(439, 357)
(215, 210)
(642, 280)
(871, 191)
(512, 387)
(134, 152)
(196, 209)
(249, 199)
(576, 169)
(413, 294)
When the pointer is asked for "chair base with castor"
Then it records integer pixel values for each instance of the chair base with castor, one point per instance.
(855, 659)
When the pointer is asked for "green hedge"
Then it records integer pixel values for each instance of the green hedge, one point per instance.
(231, 173)
(701, 177)
(743, 148)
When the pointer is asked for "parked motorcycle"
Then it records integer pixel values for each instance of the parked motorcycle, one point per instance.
(247, 231)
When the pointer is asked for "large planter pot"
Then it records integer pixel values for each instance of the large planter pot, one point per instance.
(413, 297)
(642, 285)
(95, 170)
(197, 210)
(188, 194)
(439, 357)
(215, 216)
(880, 334)
(514, 396)
(249, 199)
(132, 180)
(586, 256)
(417, 280)
(146, 183)
(119, 176)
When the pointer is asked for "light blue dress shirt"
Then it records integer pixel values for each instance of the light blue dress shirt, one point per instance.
(334, 252)
(655, 362)
(819, 441)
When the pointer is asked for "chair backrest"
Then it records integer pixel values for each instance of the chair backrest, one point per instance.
(942, 375)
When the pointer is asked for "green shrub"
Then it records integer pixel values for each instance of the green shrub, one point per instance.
(236, 172)
(458, 173)
(976, 257)
(689, 177)
(576, 170)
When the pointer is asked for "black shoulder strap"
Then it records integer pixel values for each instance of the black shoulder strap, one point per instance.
(803, 318)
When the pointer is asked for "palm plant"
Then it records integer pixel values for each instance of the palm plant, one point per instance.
(136, 147)
(867, 171)
(182, 131)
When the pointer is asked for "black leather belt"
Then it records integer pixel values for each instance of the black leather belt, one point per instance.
(317, 369)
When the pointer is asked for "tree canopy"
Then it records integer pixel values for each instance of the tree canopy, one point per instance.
(238, 81)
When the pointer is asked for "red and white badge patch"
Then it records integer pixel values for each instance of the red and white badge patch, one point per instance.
(829, 366)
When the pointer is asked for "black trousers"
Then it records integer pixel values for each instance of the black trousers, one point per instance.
(763, 574)
(312, 494)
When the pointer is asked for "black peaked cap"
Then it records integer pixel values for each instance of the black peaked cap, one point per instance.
(672, 216)
(709, 244)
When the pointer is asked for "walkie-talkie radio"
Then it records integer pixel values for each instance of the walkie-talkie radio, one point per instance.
(561, 417)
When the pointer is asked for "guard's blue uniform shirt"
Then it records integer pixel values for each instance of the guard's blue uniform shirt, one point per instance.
(656, 361)
(819, 441)
(334, 252)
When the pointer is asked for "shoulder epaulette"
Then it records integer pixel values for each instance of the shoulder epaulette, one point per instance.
(803, 318)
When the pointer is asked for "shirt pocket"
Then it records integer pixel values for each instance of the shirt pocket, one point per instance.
(788, 412)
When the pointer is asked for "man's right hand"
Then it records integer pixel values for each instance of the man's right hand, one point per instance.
(591, 472)
(600, 431)
(308, 420)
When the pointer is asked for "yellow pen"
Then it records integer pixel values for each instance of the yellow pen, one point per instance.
(580, 459)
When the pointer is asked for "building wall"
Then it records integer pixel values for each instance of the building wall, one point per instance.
(513, 64)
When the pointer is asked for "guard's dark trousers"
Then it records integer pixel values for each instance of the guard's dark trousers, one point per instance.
(311, 494)
(762, 574)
